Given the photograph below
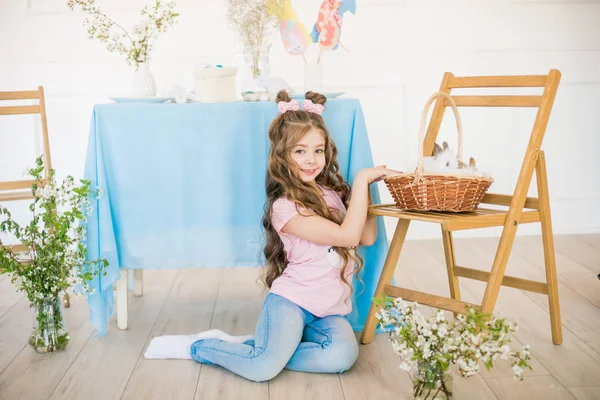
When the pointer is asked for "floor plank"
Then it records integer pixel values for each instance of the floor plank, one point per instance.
(531, 249)
(590, 239)
(238, 306)
(187, 310)
(376, 374)
(46, 370)
(103, 367)
(15, 327)
(533, 388)
(471, 292)
(585, 392)
(8, 295)
(586, 284)
(292, 385)
(182, 301)
(473, 387)
(573, 363)
(582, 253)
(577, 314)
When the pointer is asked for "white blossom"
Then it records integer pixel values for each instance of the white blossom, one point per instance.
(136, 46)
(518, 371)
(434, 340)
(440, 317)
(442, 331)
(53, 239)
(405, 366)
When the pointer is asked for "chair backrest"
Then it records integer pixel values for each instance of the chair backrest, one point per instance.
(543, 103)
(39, 108)
(21, 190)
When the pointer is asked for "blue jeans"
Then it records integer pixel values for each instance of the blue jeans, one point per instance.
(287, 336)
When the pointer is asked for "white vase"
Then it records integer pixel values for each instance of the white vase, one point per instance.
(254, 63)
(143, 82)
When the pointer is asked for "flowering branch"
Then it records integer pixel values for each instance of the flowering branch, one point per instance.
(136, 47)
(434, 343)
(54, 261)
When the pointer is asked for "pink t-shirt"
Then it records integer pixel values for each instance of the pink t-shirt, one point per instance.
(312, 278)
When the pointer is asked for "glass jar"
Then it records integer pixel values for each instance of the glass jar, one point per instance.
(431, 382)
(49, 333)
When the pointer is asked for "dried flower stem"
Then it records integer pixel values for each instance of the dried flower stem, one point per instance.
(137, 46)
(253, 24)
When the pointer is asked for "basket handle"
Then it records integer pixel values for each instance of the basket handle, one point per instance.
(423, 124)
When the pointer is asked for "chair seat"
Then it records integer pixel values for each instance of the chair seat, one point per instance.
(451, 221)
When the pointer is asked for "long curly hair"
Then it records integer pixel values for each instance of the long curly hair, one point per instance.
(283, 179)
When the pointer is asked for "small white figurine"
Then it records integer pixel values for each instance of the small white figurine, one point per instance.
(273, 84)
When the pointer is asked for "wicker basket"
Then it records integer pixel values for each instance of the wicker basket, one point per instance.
(424, 191)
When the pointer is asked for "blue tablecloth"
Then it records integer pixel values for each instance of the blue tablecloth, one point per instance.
(184, 187)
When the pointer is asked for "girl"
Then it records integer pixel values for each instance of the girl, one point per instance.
(312, 226)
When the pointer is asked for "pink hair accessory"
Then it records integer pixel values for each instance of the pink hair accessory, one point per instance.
(291, 105)
(308, 105)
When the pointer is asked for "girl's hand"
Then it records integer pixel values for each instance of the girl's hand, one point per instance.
(374, 174)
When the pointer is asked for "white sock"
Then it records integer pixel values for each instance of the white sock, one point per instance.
(178, 346)
(170, 346)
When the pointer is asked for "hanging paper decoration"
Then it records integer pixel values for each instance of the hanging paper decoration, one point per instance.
(294, 35)
(326, 31)
(328, 28)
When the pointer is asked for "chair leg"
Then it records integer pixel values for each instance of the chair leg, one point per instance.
(386, 277)
(498, 268)
(450, 264)
(548, 241)
(122, 286)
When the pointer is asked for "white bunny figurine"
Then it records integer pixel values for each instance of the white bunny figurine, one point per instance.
(273, 84)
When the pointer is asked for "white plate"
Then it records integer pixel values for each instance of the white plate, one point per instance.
(332, 95)
(140, 99)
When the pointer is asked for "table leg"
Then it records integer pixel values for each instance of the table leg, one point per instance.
(122, 284)
(138, 282)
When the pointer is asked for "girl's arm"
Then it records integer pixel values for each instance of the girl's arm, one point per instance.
(369, 233)
(323, 231)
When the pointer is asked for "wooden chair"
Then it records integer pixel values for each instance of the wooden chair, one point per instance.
(21, 189)
(521, 209)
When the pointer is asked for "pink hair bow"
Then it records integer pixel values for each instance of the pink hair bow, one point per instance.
(308, 105)
(291, 105)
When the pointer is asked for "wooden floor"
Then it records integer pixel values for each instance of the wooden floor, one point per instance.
(186, 301)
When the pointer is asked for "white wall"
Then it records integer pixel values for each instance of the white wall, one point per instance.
(399, 51)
